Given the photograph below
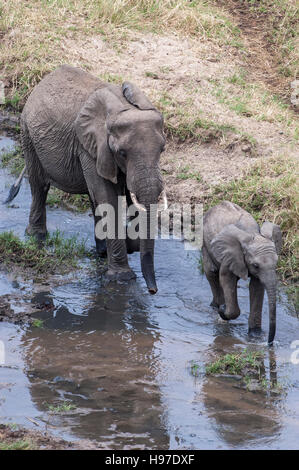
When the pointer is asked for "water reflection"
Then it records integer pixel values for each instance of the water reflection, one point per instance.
(122, 357)
(240, 417)
(104, 363)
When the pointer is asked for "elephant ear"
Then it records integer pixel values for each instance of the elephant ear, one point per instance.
(229, 247)
(91, 129)
(273, 232)
(136, 97)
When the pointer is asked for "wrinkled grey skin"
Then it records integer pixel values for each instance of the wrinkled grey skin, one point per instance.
(235, 247)
(89, 137)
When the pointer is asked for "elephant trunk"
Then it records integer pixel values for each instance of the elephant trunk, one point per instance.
(146, 201)
(147, 264)
(271, 292)
(147, 245)
(269, 283)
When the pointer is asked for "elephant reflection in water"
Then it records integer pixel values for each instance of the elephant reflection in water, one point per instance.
(104, 363)
(239, 415)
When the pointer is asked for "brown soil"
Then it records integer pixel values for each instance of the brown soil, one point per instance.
(184, 68)
(9, 314)
(37, 440)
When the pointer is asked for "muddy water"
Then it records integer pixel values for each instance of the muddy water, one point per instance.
(125, 359)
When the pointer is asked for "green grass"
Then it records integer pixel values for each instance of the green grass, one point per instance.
(17, 445)
(62, 408)
(13, 100)
(186, 174)
(112, 78)
(37, 323)
(195, 369)
(79, 202)
(58, 254)
(247, 365)
(250, 99)
(281, 30)
(13, 160)
(151, 75)
(236, 363)
(183, 123)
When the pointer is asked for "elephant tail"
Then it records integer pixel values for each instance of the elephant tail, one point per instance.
(15, 188)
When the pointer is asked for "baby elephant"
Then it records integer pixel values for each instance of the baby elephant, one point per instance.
(235, 247)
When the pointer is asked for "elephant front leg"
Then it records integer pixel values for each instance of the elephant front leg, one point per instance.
(118, 268)
(229, 282)
(212, 275)
(109, 232)
(101, 245)
(106, 201)
(256, 293)
(133, 245)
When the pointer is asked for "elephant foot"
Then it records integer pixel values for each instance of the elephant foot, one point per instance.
(39, 235)
(101, 248)
(120, 276)
(255, 332)
(226, 315)
(221, 311)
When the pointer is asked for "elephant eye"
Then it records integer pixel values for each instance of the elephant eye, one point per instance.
(122, 153)
(255, 265)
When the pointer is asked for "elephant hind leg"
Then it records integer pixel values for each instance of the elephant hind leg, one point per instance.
(229, 282)
(37, 218)
(39, 189)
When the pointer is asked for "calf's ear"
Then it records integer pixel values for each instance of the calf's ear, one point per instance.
(229, 248)
(272, 232)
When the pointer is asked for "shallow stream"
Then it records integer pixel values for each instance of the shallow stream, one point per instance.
(132, 364)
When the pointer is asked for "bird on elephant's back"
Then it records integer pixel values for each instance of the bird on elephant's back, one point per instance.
(85, 136)
(235, 247)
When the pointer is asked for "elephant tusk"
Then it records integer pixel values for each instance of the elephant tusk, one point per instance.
(139, 206)
(165, 202)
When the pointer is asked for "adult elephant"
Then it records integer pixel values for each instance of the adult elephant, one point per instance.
(89, 137)
(234, 246)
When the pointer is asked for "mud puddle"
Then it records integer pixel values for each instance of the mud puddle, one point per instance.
(115, 365)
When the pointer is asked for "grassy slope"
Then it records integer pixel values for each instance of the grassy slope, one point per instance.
(32, 31)
(232, 101)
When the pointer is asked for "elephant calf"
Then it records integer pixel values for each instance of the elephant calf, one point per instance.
(235, 247)
(89, 137)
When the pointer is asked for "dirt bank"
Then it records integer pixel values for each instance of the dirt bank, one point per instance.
(25, 439)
